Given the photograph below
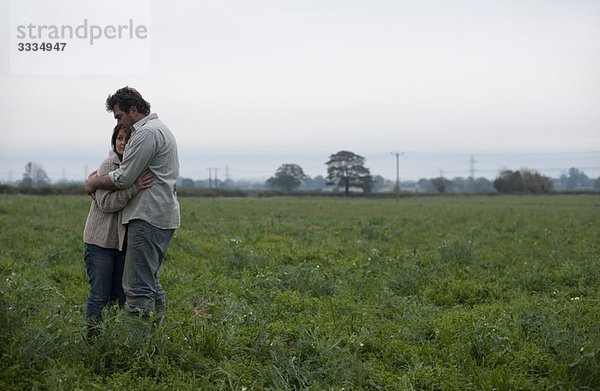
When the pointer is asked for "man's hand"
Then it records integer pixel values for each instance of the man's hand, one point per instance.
(145, 180)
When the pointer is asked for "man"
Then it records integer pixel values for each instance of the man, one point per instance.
(152, 215)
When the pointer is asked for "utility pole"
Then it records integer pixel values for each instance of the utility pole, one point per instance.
(216, 177)
(472, 162)
(470, 187)
(397, 188)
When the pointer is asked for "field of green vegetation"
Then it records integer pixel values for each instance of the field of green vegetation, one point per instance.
(432, 293)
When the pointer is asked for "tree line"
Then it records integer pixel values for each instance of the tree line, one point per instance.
(347, 170)
(346, 173)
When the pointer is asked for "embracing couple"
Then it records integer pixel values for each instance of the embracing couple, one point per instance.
(134, 211)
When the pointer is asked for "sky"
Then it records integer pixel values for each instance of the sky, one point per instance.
(246, 86)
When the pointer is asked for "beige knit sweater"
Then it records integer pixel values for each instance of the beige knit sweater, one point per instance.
(103, 225)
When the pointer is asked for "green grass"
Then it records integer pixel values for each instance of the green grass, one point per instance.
(439, 293)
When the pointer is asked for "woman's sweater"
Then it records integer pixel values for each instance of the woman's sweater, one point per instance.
(103, 225)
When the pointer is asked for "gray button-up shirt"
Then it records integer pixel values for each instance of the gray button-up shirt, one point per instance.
(152, 146)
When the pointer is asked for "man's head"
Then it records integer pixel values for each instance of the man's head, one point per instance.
(128, 106)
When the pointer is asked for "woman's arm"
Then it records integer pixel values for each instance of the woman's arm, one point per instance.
(109, 201)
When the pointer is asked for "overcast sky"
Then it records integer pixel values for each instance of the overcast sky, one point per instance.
(249, 85)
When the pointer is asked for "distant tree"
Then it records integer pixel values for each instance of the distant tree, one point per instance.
(441, 184)
(347, 169)
(597, 184)
(426, 186)
(482, 185)
(367, 185)
(509, 182)
(34, 175)
(228, 183)
(319, 181)
(201, 183)
(534, 182)
(185, 183)
(576, 179)
(523, 181)
(288, 177)
(316, 183)
(378, 183)
(460, 184)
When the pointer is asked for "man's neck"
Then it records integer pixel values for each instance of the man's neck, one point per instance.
(138, 117)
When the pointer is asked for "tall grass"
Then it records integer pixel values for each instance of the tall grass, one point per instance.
(426, 293)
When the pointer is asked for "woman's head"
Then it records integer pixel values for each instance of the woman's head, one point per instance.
(119, 139)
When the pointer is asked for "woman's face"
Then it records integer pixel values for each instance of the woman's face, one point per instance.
(121, 141)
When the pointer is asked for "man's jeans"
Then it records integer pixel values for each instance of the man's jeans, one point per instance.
(146, 249)
(105, 273)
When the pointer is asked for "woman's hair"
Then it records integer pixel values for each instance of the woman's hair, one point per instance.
(115, 134)
(125, 98)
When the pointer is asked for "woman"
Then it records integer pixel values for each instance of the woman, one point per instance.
(104, 237)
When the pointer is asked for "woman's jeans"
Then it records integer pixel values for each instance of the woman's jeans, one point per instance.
(146, 250)
(105, 272)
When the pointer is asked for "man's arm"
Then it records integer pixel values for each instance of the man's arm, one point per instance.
(111, 201)
(98, 182)
(140, 150)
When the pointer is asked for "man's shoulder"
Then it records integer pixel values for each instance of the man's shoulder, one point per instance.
(153, 124)
(150, 120)
(152, 128)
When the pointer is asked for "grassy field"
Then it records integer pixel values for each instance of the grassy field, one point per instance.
(438, 293)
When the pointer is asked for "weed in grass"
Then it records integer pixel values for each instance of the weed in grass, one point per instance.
(452, 291)
(458, 251)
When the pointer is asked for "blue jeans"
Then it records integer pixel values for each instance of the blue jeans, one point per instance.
(146, 250)
(105, 273)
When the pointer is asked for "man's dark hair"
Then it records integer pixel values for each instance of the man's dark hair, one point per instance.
(126, 97)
